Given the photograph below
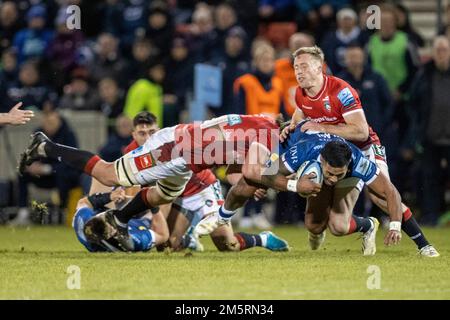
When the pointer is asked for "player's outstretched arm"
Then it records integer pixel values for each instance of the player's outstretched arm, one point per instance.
(16, 116)
(386, 190)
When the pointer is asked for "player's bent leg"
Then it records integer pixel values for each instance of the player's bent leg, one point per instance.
(160, 228)
(316, 217)
(342, 222)
(226, 240)
(178, 225)
(237, 197)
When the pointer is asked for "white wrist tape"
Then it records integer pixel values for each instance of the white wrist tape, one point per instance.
(292, 185)
(395, 225)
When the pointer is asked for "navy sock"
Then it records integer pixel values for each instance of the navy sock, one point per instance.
(78, 159)
(412, 229)
(137, 205)
(358, 224)
(247, 241)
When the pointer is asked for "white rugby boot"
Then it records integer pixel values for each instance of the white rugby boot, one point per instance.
(369, 246)
(429, 251)
(316, 240)
(209, 223)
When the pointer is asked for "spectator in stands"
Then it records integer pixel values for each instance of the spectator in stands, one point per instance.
(146, 94)
(63, 50)
(317, 16)
(78, 94)
(225, 18)
(259, 92)
(143, 54)
(284, 70)
(201, 32)
(160, 28)
(335, 43)
(372, 90)
(234, 62)
(9, 24)
(445, 28)
(430, 98)
(395, 57)
(29, 89)
(107, 61)
(404, 25)
(111, 99)
(277, 10)
(8, 72)
(117, 141)
(180, 73)
(33, 41)
(392, 54)
(49, 174)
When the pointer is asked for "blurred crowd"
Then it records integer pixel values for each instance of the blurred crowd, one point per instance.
(135, 55)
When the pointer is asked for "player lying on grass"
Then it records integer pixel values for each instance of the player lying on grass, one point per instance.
(170, 157)
(339, 160)
(145, 232)
(201, 197)
(332, 106)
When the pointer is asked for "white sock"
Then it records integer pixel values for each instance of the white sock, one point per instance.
(225, 214)
(263, 239)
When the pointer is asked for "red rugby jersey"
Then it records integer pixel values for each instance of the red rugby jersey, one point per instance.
(199, 181)
(335, 100)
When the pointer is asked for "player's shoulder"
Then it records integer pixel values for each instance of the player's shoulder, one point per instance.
(337, 84)
(131, 146)
(342, 91)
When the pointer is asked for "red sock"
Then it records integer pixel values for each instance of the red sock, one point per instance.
(91, 164)
(407, 215)
(352, 225)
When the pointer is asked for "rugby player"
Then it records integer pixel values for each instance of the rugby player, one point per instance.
(332, 106)
(201, 197)
(171, 155)
(145, 232)
(339, 160)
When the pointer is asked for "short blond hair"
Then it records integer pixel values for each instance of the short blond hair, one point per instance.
(315, 51)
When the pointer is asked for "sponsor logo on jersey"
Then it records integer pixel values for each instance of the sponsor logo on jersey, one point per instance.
(346, 97)
(137, 150)
(363, 166)
(326, 103)
(143, 162)
(294, 155)
(306, 107)
(234, 119)
(322, 119)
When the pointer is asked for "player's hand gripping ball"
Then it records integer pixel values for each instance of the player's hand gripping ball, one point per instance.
(307, 167)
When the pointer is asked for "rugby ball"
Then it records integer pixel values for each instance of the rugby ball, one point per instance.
(307, 167)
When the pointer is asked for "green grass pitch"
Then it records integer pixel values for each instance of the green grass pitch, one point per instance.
(34, 264)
